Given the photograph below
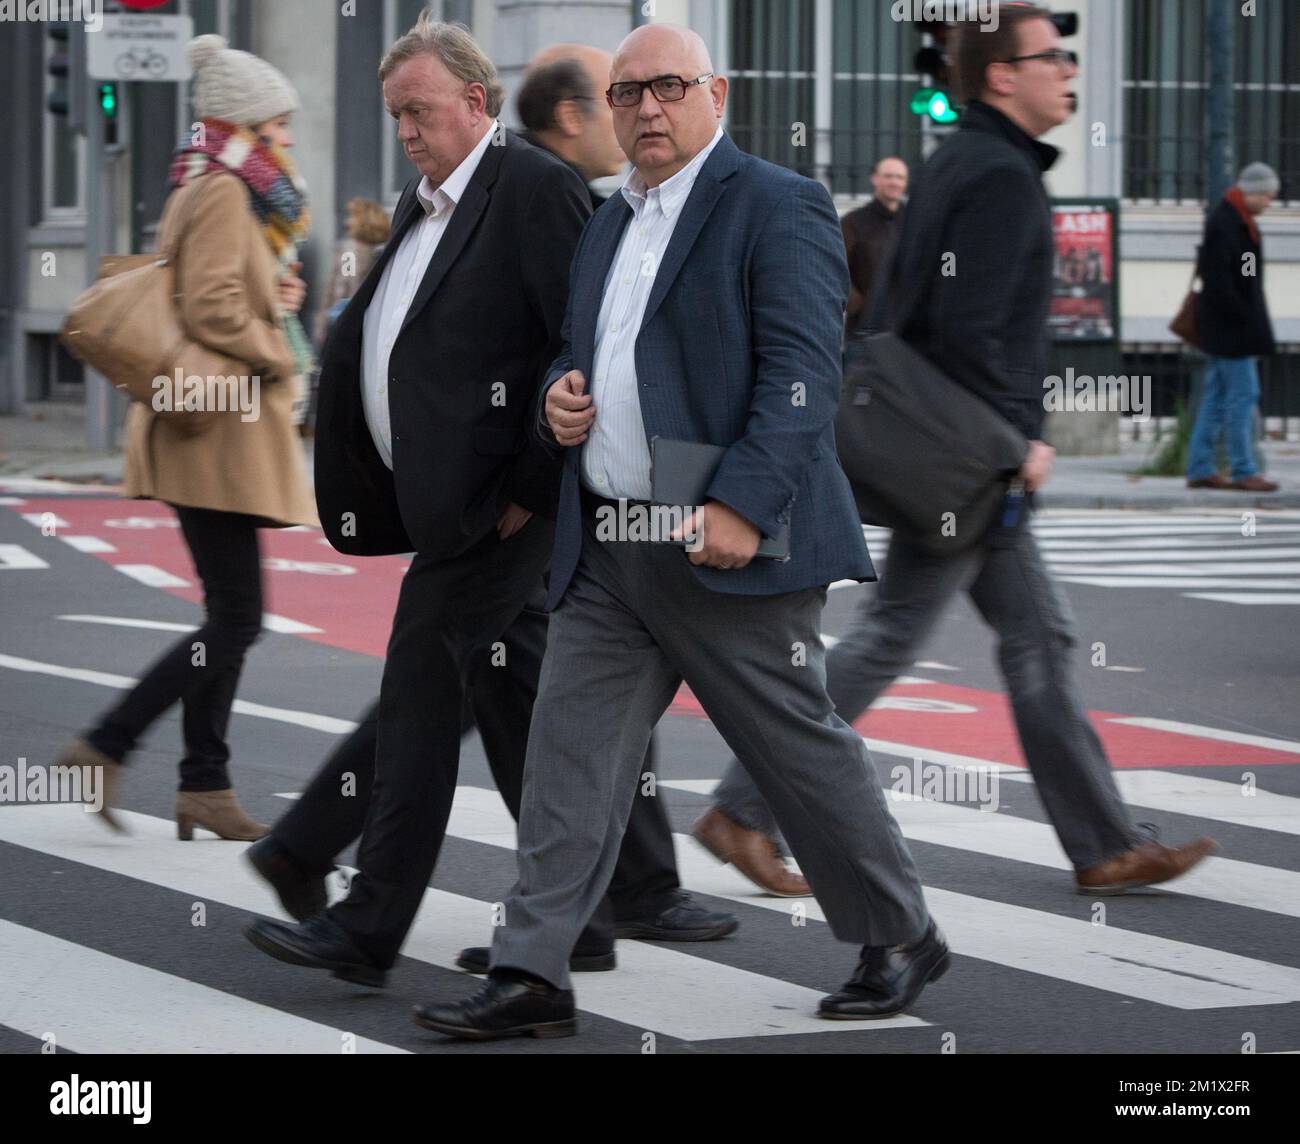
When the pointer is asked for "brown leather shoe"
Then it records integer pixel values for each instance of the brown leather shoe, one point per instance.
(82, 755)
(1144, 865)
(752, 852)
(1255, 484)
(215, 810)
(1213, 481)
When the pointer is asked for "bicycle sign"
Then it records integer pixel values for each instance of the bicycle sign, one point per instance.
(140, 47)
(142, 63)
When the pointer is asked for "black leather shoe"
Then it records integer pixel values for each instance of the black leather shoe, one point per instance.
(301, 894)
(475, 960)
(318, 943)
(888, 979)
(682, 921)
(504, 1007)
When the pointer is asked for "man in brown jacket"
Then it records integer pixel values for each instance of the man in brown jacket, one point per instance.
(867, 232)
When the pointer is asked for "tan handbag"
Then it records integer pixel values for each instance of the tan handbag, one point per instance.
(1184, 323)
(127, 325)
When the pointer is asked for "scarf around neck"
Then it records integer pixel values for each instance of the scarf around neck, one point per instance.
(277, 195)
(1238, 199)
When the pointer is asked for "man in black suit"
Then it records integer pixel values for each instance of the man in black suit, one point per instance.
(562, 107)
(426, 385)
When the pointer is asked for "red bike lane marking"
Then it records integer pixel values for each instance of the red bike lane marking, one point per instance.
(354, 611)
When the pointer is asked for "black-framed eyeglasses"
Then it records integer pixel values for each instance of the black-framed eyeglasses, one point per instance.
(665, 88)
(1058, 56)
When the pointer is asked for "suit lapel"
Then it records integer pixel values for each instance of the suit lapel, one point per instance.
(464, 219)
(607, 232)
(709, 185)
(461, 225)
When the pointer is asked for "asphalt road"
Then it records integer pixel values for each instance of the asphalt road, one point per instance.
(1214, 682)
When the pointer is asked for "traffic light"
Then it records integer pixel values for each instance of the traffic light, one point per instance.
(934, 100)
(57, 67)
(107, 95)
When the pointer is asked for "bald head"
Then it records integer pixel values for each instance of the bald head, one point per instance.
(595, 60)
(683, 43)
(660, 138)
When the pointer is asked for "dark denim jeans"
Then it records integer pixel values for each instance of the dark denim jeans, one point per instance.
(201, 670)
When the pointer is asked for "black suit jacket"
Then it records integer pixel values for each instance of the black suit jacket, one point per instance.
(970, 280)
(464, 371)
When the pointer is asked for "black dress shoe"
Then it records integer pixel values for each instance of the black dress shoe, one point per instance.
(682, 921)
(475, 960)
(319, 943)
(301, 894)
(888, 979)
(504, 1007)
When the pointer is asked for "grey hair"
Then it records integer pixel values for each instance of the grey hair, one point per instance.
(458, 50)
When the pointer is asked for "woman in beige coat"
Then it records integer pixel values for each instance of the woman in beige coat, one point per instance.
(241, 211)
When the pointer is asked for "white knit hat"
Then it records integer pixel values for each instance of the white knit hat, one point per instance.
(1259, 179)
(237, 86)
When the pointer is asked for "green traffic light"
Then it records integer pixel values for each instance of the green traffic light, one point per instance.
(108, 99)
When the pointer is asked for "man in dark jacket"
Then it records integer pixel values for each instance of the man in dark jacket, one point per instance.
(867, 234)
(1234, 329)
(562, 106)
(969, 287)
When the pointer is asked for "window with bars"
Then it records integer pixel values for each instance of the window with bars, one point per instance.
(1165, 92)
(772, 56)
(859, 116)
(871, 117)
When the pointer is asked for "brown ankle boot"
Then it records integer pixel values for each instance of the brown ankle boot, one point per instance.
(215, 810)
(108, 780)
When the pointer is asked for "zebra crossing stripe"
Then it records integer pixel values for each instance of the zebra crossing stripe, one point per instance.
(15, 556)
(1156, 969)
(657, 988)
(1223, 880)
(1292, 598)
(92, 1002)
(152, 575)
(1197, 797)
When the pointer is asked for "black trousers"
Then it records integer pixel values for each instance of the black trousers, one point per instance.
(201, 671)
(450, 613)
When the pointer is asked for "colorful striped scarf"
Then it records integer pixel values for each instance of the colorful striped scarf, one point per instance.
(277, 195)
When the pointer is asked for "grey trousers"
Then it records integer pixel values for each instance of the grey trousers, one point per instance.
(1014, 593)
(633, 624)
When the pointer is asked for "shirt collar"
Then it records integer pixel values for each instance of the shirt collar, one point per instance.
(436, 200)
(672, 193)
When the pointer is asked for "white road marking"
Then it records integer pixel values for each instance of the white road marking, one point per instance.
(152, 575)
(44, 519)
(14, 557)
(1171, 581)
(1176, 728)
(1291, 598)
(656, 987)
(95, 1003)
(1181, 792)
(1166, 555)
(1126, 962)
(308, 719)
(88, 543)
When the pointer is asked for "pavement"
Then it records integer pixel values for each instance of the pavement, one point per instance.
(50, 444)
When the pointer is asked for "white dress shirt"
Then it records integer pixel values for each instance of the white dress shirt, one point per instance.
(615, 456)
(401, 279)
